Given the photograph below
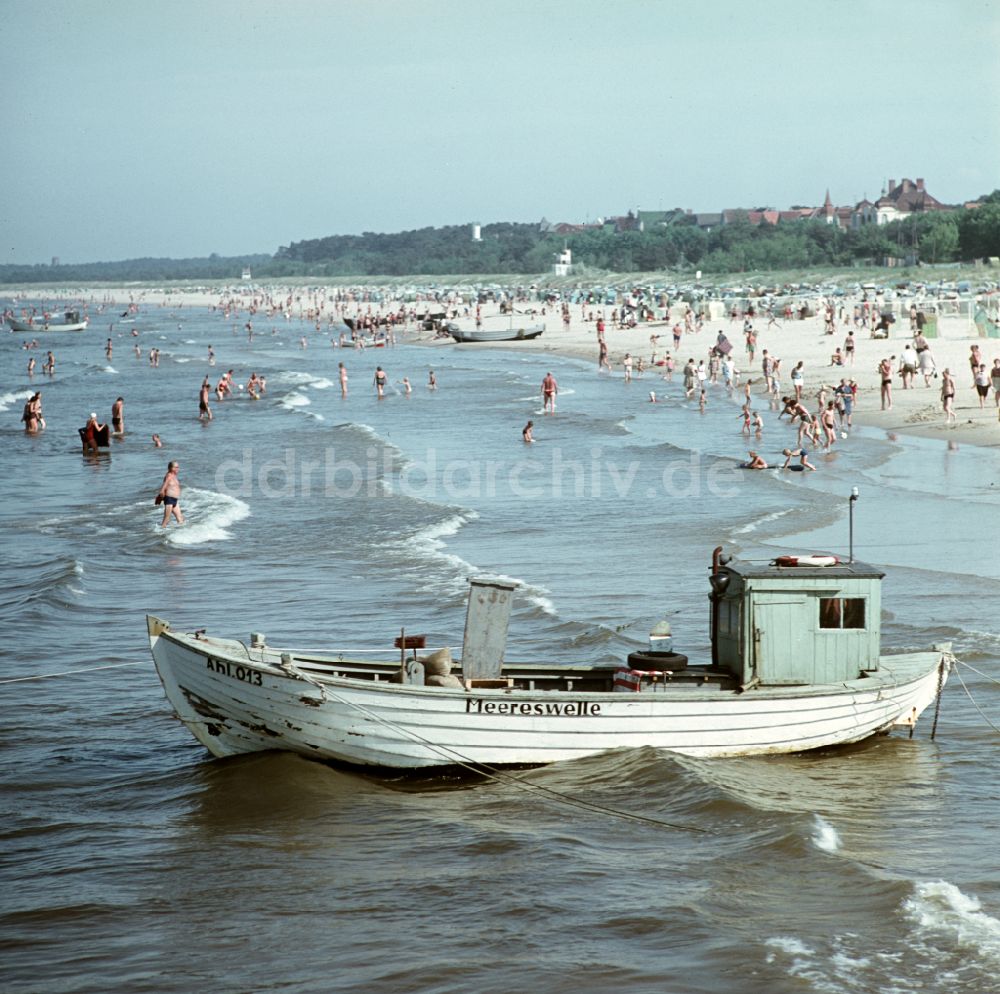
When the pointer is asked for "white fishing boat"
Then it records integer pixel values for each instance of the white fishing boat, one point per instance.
(795, 665)
(71, 321)
(495, 335)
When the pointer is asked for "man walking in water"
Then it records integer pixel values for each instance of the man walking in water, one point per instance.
(204, 411)
(169, 495)
(549, 390)
(118, 416)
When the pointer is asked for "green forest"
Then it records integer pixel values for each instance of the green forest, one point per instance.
(522, 248)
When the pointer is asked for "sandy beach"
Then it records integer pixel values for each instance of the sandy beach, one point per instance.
(915, 411)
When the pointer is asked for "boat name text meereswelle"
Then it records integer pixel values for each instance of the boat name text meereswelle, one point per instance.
(573, 709)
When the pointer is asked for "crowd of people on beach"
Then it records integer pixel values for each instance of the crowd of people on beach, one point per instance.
(832, 417)
(822, 417)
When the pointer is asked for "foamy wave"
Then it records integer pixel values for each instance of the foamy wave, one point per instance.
(428, 545)
(533, 594)
(110, 369)
(447, 528)
(537, 396)
(9, 398)
(754, 525)
(365, 430)
(75, 572)
(836, 970)
(976, 640)
(371, 433)
(789, 945)
(296, 377)
(208, 516)
(295, 400)
(938, 907)
(825, 837)
(321, 383)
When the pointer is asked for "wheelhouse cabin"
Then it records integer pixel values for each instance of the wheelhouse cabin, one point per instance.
(776, 625)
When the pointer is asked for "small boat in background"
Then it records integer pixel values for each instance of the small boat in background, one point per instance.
(72, 321)
(495, 335)
(795, 665)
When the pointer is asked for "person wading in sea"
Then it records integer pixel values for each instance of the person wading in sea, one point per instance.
(169, 495)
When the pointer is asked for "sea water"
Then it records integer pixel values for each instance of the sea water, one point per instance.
(135, 862)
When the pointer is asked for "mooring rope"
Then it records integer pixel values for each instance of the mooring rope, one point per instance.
(492, 772)
(85, 669)
(985, 676)
(968, 694)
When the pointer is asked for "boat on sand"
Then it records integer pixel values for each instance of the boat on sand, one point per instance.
(495, 335)
(795, 665)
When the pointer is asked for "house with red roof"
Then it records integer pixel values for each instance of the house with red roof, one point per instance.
(907, 198)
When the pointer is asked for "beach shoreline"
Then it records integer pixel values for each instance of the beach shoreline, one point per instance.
(916, 411)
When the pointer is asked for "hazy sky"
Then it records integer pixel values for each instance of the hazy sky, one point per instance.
(177, 128)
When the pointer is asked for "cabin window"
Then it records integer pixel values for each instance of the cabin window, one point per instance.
(841, 612)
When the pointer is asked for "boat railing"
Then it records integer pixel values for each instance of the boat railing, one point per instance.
(321, 655)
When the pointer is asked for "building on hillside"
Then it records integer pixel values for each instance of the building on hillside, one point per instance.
(863, 213)
(563, 227)
(838, 216)
(897, 201)
(907, 198)
(619, 224)
(564, 262)
(768, 215)
(709, 221)
(660, 219)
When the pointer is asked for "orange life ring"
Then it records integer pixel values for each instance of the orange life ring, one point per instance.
(816, 559)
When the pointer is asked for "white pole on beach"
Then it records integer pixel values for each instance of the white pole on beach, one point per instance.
(850, 524)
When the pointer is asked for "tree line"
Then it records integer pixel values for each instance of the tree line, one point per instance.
(519, 248)
(210, 268)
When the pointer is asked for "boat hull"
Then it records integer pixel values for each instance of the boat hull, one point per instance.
(236, 700)
(27, 328)
(505, 335)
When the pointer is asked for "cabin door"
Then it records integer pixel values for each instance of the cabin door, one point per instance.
(782, 640)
